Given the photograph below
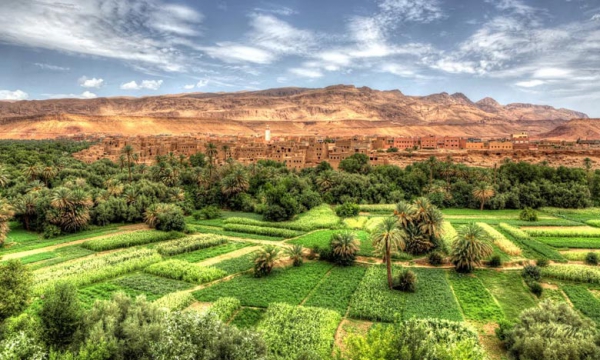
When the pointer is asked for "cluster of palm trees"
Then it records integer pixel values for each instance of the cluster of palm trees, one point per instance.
(268, 257)
(416, 228)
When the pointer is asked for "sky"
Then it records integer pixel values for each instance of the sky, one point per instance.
(538, 51)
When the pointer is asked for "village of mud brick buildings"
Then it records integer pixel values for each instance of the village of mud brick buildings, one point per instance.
(298, 152)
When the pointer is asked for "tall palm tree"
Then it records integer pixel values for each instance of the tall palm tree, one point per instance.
(325, 181)
(71, 208)
(6, 213)
(265, 260)
(128, 152)
(48, 173)
(388, 237)
(211, 153)
(122, 161)
(3, 177)
(470, 248)
(344, 247)
(226, 150)
(405, 212)
(483, 192)
(236, 182)
(26, 207)
(32, 172)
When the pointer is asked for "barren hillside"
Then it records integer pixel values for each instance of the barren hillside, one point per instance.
(583, 129)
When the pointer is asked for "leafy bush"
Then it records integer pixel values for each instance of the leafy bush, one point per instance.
(225, 307)
(130, 239)
(532, 272)
(591, 258)
(347, 210)
(60, 314)
(15, 286)
(289, 331)
(414, 340)
(183, 270)
(435, 258)
(535, 287)
(495, 261)
(553, 331)
(542, 262)
(189, 244)
(165, 217)
(264, 260)
(175, 301)
(528, 214)
(405, 280)
(344, 246)
(208, 213)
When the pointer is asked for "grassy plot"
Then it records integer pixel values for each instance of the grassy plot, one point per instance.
(211, 252)
(581, 215)
(30, 259)
(475, 301)
(248, 317)
(322, 238)
(189, 244)
(219, 231)
(289, 285)
(584, 301)
(338, 286)
(225, 307)
(236, 265)
(373, 300)
(357, 222)
(183, 270)
(61, 255)
(153, 287)
(176, 301)
(433, 297)
(577, 255)
(500, 240)
(130, 239)
(512, 222)
(261, 230)
(555, 295)
(532, 247)
(577, 273)
(290, 331)
(572, 242)
(508, 289)
(320, 217)
(558, 231)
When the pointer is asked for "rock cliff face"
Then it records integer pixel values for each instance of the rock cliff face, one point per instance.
(344, 105)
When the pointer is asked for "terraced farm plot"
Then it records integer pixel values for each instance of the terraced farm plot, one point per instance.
(508, 289)
(581, 215)
(336, 289)
(531, 247)
(248, 317)
(236, 265)
(61, 255)
(220, 231)
(130, 239)
(578, 255)
(572, 242)
(185, 271)
(583, 300)
(433, 297)
(289, 285)
(562, 231)
(320, 217)
(321, 238)
(576, 273)
(189, 244)
(475, 301)
(211, 252)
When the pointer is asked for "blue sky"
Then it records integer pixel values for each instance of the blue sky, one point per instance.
(540, 51)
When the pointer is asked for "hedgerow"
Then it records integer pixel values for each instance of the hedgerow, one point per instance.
(291, 331)
(189, 244)
(183, 270)
(130, 239)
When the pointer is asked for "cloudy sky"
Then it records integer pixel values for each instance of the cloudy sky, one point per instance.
(540, 51)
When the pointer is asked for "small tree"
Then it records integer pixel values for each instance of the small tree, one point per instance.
(295, 254)
(165, 217)
(347, 209)
(265, 260)
(469, 249)
(387, 237)
(483, 192)
(591, 258)
(60, 314)
(15, 285)
(6, 213)
(528, 214)
(344, 247)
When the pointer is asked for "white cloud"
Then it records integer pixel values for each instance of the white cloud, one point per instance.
(278, 36)
(90, 83)
(189, 87)
(145, 84)
(308, 73)
(277, 10)
(51, 67)
(423, 11)
(552, 73)
(530, 83)
(202, 83)
(147, 32)
(595, 17)
(88, 95)
(13, 95)
(235, 53)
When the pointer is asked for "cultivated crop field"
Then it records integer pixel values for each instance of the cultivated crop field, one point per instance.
(298, 308)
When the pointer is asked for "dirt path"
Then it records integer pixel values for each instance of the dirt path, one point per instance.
(122, 230)
(230, 255)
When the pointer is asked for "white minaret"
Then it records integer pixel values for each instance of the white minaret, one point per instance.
(268, 134)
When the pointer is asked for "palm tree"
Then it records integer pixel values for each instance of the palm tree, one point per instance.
(122, 160)
(295, 254)
(3, 177)
(48, 173)
(587, 162)
(70, 208)
(26, 207)
(32, 172)
(6, 213)
(236, 182)
(226, 149)
(405, 212)
(265, 260)
(325, 181)
(211, 153)
(483, 192)
(388, 237)
(128, 152)
(469, 248)
(432, 163)
(344, 247)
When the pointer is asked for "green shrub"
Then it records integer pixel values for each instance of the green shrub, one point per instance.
(503, 330)
(208, 213)
(225, 307)
(542, 262)
(347, 210)
(532, 272)
(165, 217)
(175, 301)
(591, 258)
(535, 287)
(435, 258)
(495, 261)
(60, 314)
(528, 214)
(405, 280)
(15, 286)
(51, 231)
